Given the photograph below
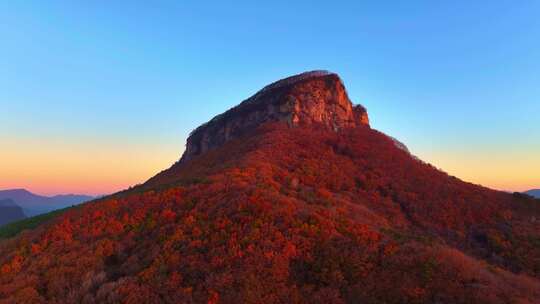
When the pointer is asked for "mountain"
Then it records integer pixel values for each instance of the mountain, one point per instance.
(71, 199)
(34, 204)
(10, 212)
(290, 197)
(533, 192)
(295, 100)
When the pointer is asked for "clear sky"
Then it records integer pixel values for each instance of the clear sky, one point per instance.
(99, 95)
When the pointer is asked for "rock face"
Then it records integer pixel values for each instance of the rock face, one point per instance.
(317, 97)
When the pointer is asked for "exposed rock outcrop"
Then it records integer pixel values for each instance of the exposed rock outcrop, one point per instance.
(317, 97)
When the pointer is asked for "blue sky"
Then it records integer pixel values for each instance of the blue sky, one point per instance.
(122, 83)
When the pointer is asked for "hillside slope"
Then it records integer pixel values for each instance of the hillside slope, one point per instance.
(10, 212)
(533, 192)
(283, 214)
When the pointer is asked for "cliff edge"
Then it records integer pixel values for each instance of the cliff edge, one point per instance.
(316, 97)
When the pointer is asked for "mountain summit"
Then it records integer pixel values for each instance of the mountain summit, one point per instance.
(290, 197)
(316, 97)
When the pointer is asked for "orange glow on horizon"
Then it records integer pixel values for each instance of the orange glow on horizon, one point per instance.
(53, 168)
(503, 170)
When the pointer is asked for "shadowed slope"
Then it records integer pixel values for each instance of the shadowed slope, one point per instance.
(10, 212)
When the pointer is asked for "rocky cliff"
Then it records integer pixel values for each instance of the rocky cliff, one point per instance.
(317, 97)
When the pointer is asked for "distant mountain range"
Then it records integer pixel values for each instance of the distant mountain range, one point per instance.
(533, 192)
(34, 204)
(10, 212)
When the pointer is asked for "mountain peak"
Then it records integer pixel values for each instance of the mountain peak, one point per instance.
(314, 97)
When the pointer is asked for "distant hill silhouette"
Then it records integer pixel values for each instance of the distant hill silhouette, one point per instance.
(533, 192)
(10, 212)
(34, 204)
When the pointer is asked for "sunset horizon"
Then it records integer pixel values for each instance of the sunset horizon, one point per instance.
(104, 108)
